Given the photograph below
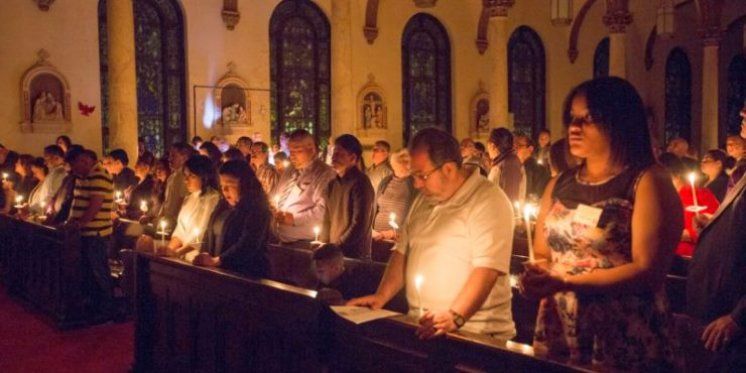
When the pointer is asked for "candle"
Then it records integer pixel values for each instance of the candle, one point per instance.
(5, 176)
(517, 208)
(316, 231)
(418, 280)
(197, 233)
(528, 211)
(118, 196)
(19, 200)
(144, 206)
(285, 164)
(540, 162)
(392, 221)
(692, 178)
(43, 205)
(277, 201)
(163, 225)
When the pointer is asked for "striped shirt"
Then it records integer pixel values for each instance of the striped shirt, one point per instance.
(98, 182)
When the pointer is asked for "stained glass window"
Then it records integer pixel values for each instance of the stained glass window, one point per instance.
(161, 86)
(678, 96)
(526, 69)
(601, 59)
(426, 66)
(300, 70)
(736, 92)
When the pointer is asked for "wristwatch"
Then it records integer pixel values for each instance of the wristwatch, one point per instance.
(458, 319)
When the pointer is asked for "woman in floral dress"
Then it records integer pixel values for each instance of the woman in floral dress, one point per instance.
(605, 237)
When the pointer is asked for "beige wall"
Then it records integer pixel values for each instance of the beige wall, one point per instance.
(69, 32)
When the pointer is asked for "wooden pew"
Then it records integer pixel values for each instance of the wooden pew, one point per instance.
(41, 265)
(198, 319)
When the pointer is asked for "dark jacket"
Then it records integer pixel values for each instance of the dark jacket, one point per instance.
(124, 180)
(715, 284)
(719, 186)
(239, 237)
(141, 192)
(537, 177)
(349, 214)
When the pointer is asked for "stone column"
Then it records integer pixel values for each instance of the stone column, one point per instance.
(343, 99)
(122, 77)
(498, 52)
(710, 92)
(617, 18)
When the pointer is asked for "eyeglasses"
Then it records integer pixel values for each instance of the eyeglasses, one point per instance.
(426, 175)
(581, 121)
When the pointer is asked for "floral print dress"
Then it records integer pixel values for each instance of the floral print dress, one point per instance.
(620, 331)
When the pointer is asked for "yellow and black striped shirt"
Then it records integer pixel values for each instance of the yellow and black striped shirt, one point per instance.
(97, 183)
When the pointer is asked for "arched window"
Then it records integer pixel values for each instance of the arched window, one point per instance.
(678, 96)
(736, 92)
(161, 85)
(299, 69)
(426, 67)
(601, 59)
(526, 66)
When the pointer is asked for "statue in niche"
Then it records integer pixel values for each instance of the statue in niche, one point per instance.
(373, 111)
(234, 113)
(47, 108)
(483, 118)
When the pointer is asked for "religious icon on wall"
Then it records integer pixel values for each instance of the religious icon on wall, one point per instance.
(480, 113)
(45, 96)
(483, 116)
(232, 105)
(372, 116)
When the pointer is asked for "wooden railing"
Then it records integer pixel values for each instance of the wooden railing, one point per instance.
(41, 265)
(199, 319)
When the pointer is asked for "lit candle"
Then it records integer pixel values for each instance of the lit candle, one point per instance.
(285, 164)
(277, 201)
(197, 233)
(316, 231)
(19, 200)
(118, 196)
(5, 176)
(144, 206)
(540, 162)
(43, 205)
(528, 211)
(418, 280)
(692, 178)
(392, 221)
(163, 225)
(517, 208)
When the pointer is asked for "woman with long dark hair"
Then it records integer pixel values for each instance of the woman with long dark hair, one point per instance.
(237, 232)
(195, 212)
(605, 238)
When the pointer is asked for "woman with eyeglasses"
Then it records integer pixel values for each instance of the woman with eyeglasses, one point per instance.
(604, 239)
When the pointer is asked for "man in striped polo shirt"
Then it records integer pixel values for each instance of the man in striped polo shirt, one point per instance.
(91, 213)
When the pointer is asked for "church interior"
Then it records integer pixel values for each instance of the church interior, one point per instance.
(143, 75)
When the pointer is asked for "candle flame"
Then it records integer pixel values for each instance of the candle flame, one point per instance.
(392, 217)
(529, 210)
(163, 224)
(316, 230)
(692, 177)
(19, 198)
(418, 280)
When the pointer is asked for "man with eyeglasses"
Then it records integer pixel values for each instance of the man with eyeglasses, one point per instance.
(455, 243)
(380, 168)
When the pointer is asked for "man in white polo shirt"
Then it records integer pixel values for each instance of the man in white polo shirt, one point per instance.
(458, 238)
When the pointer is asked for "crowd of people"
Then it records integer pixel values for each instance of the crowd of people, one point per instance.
(612, 213)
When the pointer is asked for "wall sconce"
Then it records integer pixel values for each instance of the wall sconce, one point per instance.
(561, 12)
(665, 21)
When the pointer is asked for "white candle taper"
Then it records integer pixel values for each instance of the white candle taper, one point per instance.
(316, 231)
(692, 178)
(163, 225)
(197, 236)
(418, 280)
(528, 211)
(392, 222)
